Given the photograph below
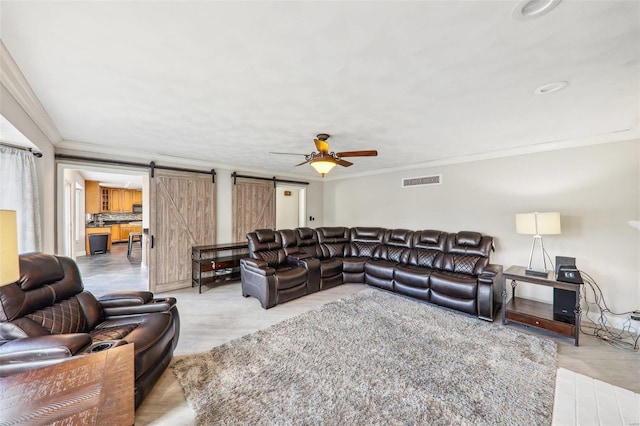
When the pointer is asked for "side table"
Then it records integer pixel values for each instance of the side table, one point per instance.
(89, 389)
(538, 314)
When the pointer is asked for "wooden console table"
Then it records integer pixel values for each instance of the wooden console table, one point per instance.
(538, 314)
(90, 389)
(216, 263)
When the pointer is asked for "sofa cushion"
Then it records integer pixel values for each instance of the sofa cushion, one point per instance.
(39, 269)
(333, 234)
(330, 267)
(464, 264)
(364, 241)
(412, 276)
(460, 286)
(307, 241)
(363, 248)
(61, 318)
(289, 276)
(379, 268)
(426, 258)
(379, 273)
(151, 335)
(429, 239)
(354, 264)
(333, 249)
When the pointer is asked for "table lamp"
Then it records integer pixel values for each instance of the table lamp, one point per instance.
(538, 224)
(9, 262)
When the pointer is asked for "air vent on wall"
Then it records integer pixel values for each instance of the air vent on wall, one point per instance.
(422, 181)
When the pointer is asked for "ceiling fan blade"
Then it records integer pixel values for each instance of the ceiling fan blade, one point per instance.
(286, 153)
(304, 162)
(322, 146)
(369, 153)
(344, 163)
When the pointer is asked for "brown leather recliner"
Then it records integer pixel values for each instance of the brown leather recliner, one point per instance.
(46, 317)
(277, 271)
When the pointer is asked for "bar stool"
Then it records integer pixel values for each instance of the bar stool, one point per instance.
(134, 237)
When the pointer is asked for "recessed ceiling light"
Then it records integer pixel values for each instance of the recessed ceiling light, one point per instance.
(556, 86)
(529, 9)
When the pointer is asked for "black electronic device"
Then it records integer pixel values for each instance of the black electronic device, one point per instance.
(564, 301)
(566, 270)
(564, 305)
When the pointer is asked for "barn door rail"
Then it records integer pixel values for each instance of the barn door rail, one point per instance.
(274, 179)
(152, 165)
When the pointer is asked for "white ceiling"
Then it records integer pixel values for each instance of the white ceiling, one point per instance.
(228, 82)
(113, 179)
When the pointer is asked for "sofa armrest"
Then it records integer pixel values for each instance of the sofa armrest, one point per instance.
(125, 298)
(259, 267)
(134, 303)
(294, 257)
(69, 344)
(490, 285)
(312, 265)
(28, 353)
(491, 271)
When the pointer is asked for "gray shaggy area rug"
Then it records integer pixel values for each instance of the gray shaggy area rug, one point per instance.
(374, 358)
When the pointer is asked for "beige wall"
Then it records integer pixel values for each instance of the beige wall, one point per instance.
(16, 115)
(595, 189)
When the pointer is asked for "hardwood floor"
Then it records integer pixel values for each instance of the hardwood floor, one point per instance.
(221, 314)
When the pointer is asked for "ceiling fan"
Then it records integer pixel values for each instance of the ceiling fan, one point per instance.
(324, 161)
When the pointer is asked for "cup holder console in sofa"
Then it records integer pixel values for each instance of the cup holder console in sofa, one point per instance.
(450, 270)
(46, 316)
(104, 345)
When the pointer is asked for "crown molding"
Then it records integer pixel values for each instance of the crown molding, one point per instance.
(12, 78)
(113, 153)
(612, 137)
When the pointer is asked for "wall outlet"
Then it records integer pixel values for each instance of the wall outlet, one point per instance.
(635, 315)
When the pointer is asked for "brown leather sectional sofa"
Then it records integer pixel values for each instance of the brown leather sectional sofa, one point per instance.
(47, 317)
(450, 270)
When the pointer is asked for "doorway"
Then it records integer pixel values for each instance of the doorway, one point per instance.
(86, 215)
(290, 207)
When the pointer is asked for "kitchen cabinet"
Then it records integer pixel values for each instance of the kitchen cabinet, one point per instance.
(115, 200)
(127, 200)
(105, 199)
(115, 232)
(126, 229)
(121, 200)
(137, 197)
(109, 200)
(92, 196)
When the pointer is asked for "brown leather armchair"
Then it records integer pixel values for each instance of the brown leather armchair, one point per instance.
(277, 271)
(47, 317)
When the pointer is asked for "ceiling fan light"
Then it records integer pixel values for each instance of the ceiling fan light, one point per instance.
(323, 166)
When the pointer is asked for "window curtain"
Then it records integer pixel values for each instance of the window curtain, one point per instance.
(19, 192)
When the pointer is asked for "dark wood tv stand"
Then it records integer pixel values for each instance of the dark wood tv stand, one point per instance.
(538, 314)
(217, 263)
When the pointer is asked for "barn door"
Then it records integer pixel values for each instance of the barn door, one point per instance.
(182, 215)
(254, 207)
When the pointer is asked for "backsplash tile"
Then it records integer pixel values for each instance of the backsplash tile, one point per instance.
(108, 217)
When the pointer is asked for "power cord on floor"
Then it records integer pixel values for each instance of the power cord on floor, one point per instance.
(627, 338)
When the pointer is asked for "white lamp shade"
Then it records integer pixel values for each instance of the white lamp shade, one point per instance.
(538, 223)
(9, 263)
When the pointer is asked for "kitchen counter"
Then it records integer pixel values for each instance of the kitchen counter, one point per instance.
(113, 222)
